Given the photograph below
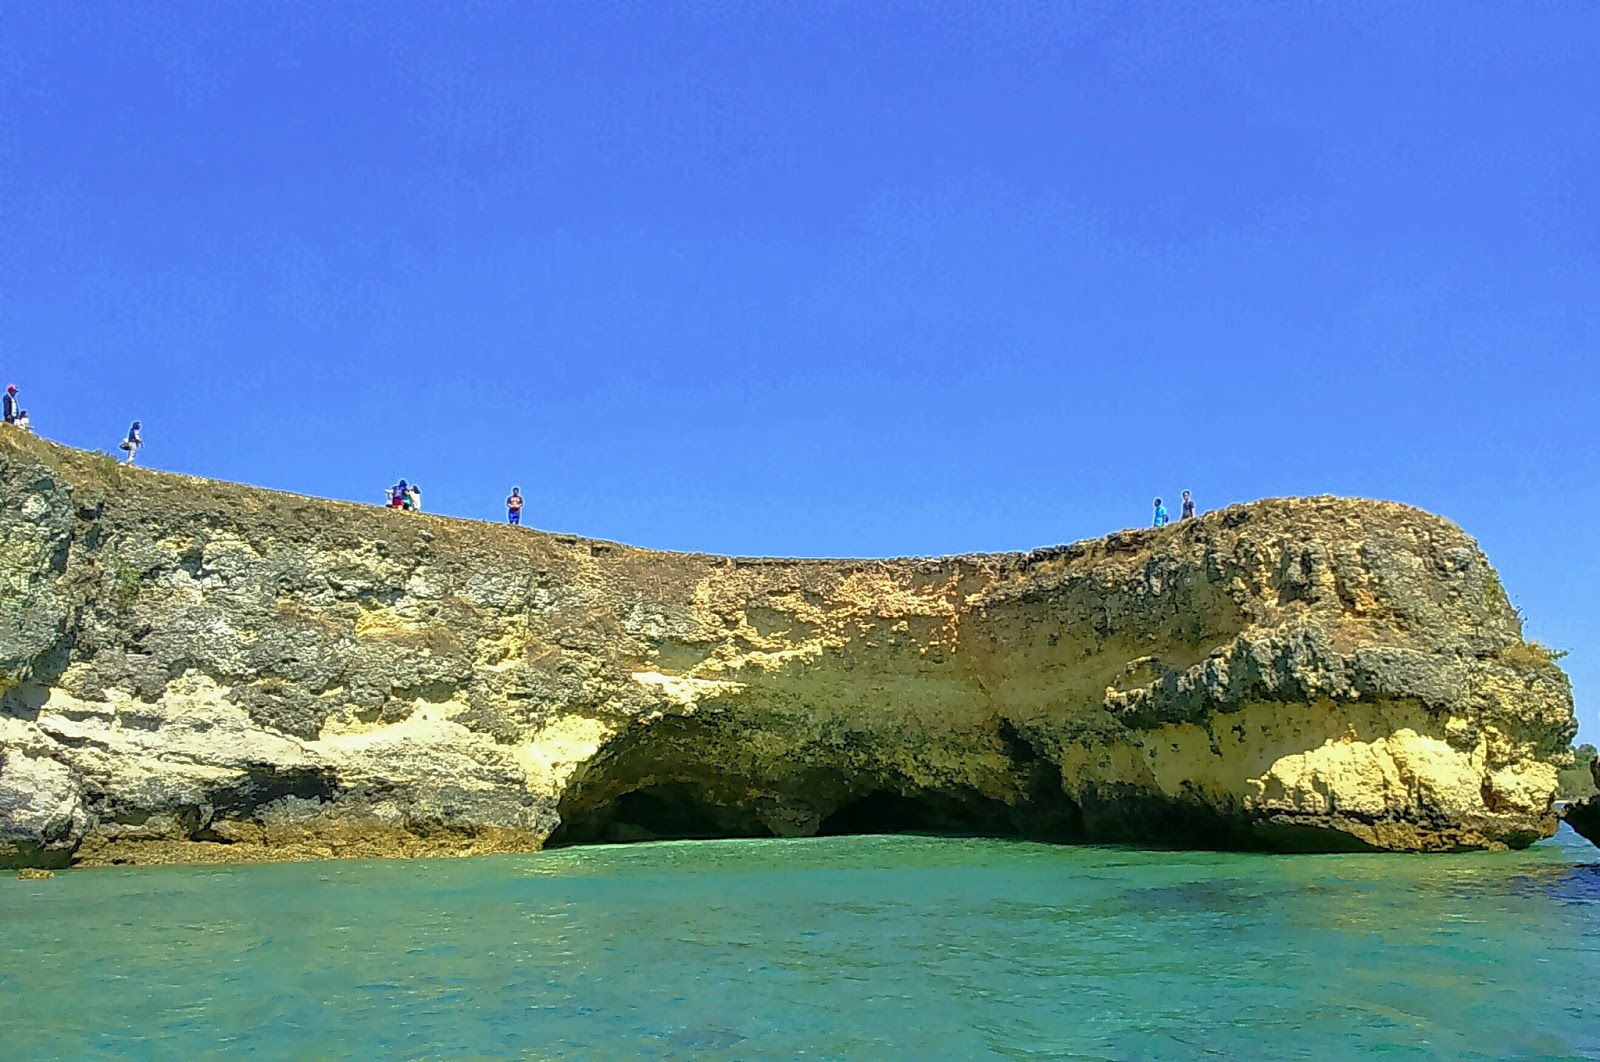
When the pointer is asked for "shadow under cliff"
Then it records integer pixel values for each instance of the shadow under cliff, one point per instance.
(694, 778)
(685, 778)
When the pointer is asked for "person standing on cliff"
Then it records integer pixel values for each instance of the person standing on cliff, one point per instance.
(11, 404)
(514, 507)
(1161, 514)
(132, 443)
(1188, 507)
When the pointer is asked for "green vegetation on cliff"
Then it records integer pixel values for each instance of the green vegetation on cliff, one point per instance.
(1578, 781)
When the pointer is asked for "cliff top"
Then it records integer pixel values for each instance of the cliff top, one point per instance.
(171, 493)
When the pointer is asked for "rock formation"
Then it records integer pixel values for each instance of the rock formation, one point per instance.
(201, 671)
(1584, 815)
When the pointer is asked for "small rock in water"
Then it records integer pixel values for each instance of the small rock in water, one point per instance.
(34, 872)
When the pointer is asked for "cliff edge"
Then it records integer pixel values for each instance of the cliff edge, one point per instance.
(200, 671)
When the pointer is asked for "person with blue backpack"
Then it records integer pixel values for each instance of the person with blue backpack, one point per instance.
(1161, 514)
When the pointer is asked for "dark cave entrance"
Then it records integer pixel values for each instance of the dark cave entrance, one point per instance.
(680, 811)
(666, 811)
(692, 778)
(882, 811)
(674, 811)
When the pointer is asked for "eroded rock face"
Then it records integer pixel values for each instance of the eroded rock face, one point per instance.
(200, 671)
(1584, 815)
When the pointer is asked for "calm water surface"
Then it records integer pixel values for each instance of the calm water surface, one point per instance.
(840, 948)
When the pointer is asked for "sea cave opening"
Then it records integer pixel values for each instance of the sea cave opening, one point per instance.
(666, 811)
(678, 779)
(882, 811)
(672, 811)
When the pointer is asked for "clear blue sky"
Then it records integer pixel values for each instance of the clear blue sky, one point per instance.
(828, 279)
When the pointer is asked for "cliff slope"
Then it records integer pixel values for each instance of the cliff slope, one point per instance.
(195, 670)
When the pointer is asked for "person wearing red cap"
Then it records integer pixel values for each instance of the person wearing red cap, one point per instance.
(11, 404)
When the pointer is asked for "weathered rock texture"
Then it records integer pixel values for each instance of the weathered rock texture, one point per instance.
(201, 671)
(1584, 815)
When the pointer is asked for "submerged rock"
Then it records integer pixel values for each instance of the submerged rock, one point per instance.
(200, 671)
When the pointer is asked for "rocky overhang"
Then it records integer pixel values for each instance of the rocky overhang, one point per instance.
(1584, 815)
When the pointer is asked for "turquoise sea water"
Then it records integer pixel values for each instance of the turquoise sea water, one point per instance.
(838, 948)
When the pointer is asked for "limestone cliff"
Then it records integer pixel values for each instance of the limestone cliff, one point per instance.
(195, 670)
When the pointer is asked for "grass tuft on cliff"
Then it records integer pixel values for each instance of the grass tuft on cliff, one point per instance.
(128, 581)
(1530, 655)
